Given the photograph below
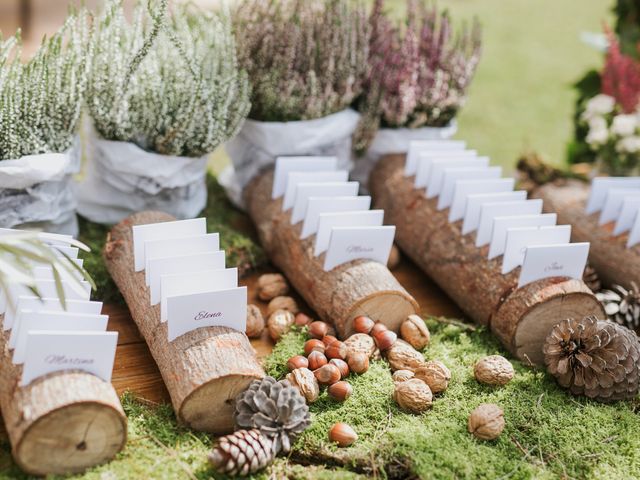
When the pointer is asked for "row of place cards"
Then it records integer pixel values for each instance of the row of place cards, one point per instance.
(45, 337)
(186, 276)
(617, 199)
(320, 197)
(513, 227)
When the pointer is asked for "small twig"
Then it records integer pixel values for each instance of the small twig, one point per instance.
(457, 323)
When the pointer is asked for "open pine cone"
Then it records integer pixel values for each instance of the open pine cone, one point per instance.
(242, 452)
(277, 409)
(595, 358)
(622, 305)
(591, 278)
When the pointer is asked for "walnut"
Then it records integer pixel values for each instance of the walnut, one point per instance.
(402, 375)
(279, 323)
(305, 381)
(272, 285)
(360, 342)
(413, 395)
(394, 258)
(283, 303)
(435, 374)
(494, 370)
(415, 332)
(255, 321)
(486, 422)
(402, 356)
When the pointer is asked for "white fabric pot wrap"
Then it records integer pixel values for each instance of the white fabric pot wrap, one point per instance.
(395, 140)
(258, 144)
(120, 178)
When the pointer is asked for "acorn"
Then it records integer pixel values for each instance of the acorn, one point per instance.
(318, 329)
(327, 374)
(329, 339)
(363, 324)
(358, 362)
(342, 366)
(340, 391)
(302, 319)
(336, 350)
(342, 434)
(313, 345)
(317, 360)
(385, 339)
(297, 361)
(377, 328)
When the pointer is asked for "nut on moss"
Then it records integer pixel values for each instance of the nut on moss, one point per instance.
(402, 375)
(279, 323)
(283, 303)
(394, 257)
(272, 285)
(435, 374)
(360, 342)
(305, 381)
(402, 356)
(413, 395)
(486, 422)
(494, 370)
(255, 321)
(415, 332)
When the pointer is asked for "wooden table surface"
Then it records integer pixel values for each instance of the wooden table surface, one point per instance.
(136, 372)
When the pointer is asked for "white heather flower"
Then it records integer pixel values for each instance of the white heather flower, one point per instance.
(629, 144)
(600, 104)
(624, 125)
(597, 137)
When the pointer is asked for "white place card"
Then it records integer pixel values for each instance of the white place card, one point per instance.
(328, 221)
(544, 261)
(284, 165)
(438, 166)
(65, 251)
(304, 191)
(294, 178)
(50, 351)
(55, 321)
(453, 175)
(489, 211)
(163, 231)
(224, 308)
(352, 243)
(613, 203)
(474, 203)
(464, 188)
(181, 264)
(600, 186)
(45, 272)
(502, 224)
(209, 242)
(426, 164)
(628, 213)
(518, 239)
(419, 148)
(318, 205)
(198, 282)
(634, 235)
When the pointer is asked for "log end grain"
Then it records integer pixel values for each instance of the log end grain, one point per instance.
(390, 307)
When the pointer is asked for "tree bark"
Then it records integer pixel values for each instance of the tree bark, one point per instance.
(360, 287)
(608, 254)
(204, 369)
(60, 423)
(520, 317)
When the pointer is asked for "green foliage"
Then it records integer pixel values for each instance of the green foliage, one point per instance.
(628, 25)
(587, 87)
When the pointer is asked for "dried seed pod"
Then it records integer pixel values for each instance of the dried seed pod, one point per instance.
(385, 339)
(494, 370)
(328, 340)
(413, 395)
(377, 328)
(360, 342)
(272, 285)
(318, 329)
(342, 366)
(402, 375)
(297, 361)
(313, 345)
(305, 381)
(327, 374)
(363, 324)
(415, 332)
(302, 319)
(358, 362)
(342, 434)
(340, 391)
(255, 321)
(486, 422)
(279, 323)
(435, 374)
(394, 257)
(336, 350)
(317, 360)
(403, 356)
(283, 303)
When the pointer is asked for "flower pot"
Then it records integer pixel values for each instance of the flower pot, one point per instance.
(259, 143)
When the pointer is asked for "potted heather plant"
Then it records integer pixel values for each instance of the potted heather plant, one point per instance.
(164, 91)
(40, 105)
(418, 81)
(306, 62)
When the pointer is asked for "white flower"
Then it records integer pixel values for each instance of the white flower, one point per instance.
(624, 125)
(597, 123)
(597, 137)
(629, 144)
(600, 104)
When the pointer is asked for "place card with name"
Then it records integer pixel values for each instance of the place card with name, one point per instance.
(438, 167)
(463, 188)
(544, 261)
(519, 239)
(601, 185)
(319, 205)
(489, 211)
(502, 224)
(324, 189)
(329, 221)
(352, 243)
(474, 203)
(421, 148)
(426, 164)
(209, 242)
(452, 175)
(294, 178)
(284, 165)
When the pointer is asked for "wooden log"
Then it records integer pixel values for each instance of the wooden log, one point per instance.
(520, 317)
(608, 254)
(60, 423)
(204, 369)
(359, 287)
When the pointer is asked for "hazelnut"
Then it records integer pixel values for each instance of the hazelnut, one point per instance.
(279, 323)
(385, 339)
(494, 370)
(486, 422)
(317, 360)
(283, 303)
(363, 324)
(297, 361)
(413, 395)
(360, 342)
(327, 374)
(435, 374)
(342, 366)
(302, 319)
(336, 350)
(318, 329)
(358, 362)
(340, 391)
(331, 330)
(376, 355)
(255, 321)
(272, 285)
(415, 332)
(402, 375)
(328, 340)
(305, 381)
(377, 328)
(342, 434)
(403, 356)
(313, 345)
(394, 258)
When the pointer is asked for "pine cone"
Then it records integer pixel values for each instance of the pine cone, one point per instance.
(591, 278)
(595, 358)
(622, 305)
(276, 408)
(242, 453)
